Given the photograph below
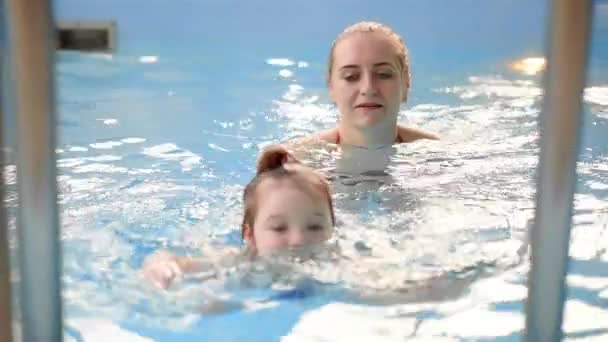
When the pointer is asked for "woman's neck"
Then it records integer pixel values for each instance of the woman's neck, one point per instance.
(372, 137)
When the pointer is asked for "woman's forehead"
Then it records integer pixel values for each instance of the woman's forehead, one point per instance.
(365, 48)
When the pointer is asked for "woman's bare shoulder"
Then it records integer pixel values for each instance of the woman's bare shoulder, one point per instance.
(410, 134)
(329, 136)
(301, 148)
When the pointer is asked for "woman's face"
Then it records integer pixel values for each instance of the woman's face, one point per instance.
(366, 81)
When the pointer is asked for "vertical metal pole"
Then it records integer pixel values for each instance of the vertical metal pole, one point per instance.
(568, 43)
(6, 320)
(31, 53)
(6, 317)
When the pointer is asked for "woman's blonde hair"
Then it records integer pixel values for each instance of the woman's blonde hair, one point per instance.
(395, 39)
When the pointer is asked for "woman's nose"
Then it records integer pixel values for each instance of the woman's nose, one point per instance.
(368, 85)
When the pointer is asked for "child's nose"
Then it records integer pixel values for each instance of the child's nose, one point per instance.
(297, 238)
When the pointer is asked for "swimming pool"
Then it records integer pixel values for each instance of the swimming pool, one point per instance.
(157, 141)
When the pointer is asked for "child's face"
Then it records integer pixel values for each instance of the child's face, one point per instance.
(288, 217)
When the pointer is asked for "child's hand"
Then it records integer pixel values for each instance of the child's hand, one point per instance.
(162, 268)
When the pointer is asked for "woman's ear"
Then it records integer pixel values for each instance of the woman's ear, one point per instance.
(331, 90)
(405, 87)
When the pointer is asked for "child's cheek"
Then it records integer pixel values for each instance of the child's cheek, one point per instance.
(269, 244)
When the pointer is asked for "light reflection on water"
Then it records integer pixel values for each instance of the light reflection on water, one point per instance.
(429, 215)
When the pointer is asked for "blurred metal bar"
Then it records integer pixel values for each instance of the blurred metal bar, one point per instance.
(6, 331)
(6, 317)
(31, 52)
(568, 44)
(6, 320)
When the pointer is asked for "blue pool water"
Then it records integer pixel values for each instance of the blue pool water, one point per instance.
(157, 141)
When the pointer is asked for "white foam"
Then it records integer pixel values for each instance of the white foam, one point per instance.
(102, 168)
(133, 140)
(495, 90)
(302, 64)
(70, 162)
(150, 187)
(86, 185)
(507, 292)
(286, 73)
(587, 202)
(597, 95)
(160, 150)
(304, 115)
(280, 62)
(98, 330)
(170, 151)
(522, 103)
(109, 121)
(10, 174)
(350, 323)
(78, 149)
(252, 306)
(588, 282)
(104, 56)
(217, 148)
(105, 145)
(597, 185)
(148, 59)
(580, 317)
(142, 171)
(295, 90)
(460, 324)
(429, 107)
(495, 87)
(189, 162)
(106, 157)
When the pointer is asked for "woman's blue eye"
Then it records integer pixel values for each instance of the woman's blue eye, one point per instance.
(385, 75)
(351, 78)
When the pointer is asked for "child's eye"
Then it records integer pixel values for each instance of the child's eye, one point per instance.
(315, 227)
(279, 229)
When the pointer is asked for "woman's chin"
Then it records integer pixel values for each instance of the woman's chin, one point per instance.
(370, 121)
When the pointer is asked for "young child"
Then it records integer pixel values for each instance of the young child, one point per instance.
(287, 205)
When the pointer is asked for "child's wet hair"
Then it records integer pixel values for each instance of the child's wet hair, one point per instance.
(275, 162)
(371, 26)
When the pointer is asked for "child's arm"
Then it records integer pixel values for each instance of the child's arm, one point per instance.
(163, 268)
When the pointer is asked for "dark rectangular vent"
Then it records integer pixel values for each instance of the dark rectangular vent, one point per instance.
(86, 36)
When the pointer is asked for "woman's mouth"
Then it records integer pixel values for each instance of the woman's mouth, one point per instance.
(369, 106)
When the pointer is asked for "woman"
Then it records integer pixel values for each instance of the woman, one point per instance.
(369, 77)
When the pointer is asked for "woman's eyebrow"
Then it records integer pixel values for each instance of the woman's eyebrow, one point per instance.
(349, 66)
(384, 64)
(354, 66)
